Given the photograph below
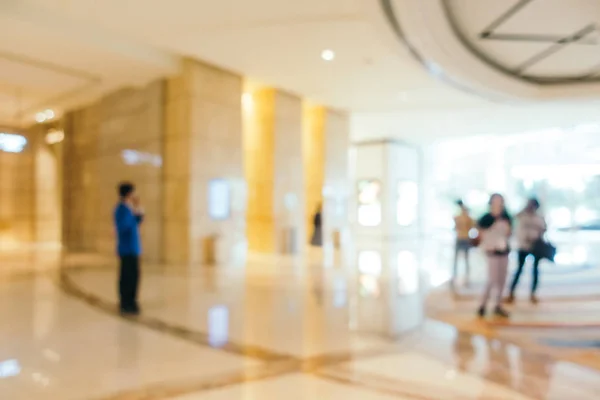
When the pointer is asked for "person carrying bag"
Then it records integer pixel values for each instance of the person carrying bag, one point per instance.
(531, 227)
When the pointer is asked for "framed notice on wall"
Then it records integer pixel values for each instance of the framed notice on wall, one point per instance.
(219, 199)
(369, 202)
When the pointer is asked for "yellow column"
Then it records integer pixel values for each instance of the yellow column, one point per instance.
(259, 152)
(313, 158)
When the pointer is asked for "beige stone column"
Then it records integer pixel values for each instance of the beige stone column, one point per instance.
(313, 150)
(203, 142)
(325, 151)
(273, 169)
(47, 186)
(336, 189)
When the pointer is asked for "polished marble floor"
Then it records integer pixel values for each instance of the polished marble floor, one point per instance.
(281, 328)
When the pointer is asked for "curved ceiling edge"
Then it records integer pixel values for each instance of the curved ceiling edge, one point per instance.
(432, 68)
(451, 17)
(431, 35)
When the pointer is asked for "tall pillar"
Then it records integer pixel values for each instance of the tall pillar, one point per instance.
(273, 169)
(325, 150)
(386, 233)
(313, 151)
(336, 188)
(47, 162)
(204, 191)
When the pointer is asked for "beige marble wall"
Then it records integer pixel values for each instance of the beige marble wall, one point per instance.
(47, 176)
(17, 196)
(337, 188)
(203, 142)
(119, 138)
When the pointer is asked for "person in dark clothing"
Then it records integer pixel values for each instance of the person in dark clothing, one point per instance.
(496, 229)
(317, 236)
(127, 217)
(531, 227)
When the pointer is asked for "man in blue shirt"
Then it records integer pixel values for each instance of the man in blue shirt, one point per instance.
(128, 216)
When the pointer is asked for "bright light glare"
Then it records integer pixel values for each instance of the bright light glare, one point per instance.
(247, 101)
(580, 255)
(369, 214)
(218, 325)
(49, 114)
(45, 115)
(134, 157)
(408, 273)
(54, 136)
(369, 262)
(408, 201)
(12, 143)
(9, 368)
(328, 55)
(560, 217)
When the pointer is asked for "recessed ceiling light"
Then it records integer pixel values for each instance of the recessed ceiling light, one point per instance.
(40, 117)
(49, 114)
(328, 55)
(54, 136)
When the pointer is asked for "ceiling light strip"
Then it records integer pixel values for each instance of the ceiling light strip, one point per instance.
(504, 17)
(580, 34)
(532, 37)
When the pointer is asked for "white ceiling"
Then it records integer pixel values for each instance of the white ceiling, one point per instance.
(550, 18)
(426, 126)
(63, 52)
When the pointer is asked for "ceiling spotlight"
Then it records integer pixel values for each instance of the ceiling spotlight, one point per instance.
(41, 117)
(49, 114)
(328, 55)
(54, 136)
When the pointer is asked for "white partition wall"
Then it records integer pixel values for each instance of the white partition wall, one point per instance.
(386, 226)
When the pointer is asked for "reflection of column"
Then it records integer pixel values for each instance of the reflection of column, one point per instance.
(273, 169)
(387, 240)
(389, 300)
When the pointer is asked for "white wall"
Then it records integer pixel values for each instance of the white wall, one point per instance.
(426, 125)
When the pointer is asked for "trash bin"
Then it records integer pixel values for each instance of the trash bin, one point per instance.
(337, 239)
(209, 250)
(289, 243)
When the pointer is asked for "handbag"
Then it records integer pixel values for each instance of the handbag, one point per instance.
(543, 249)
(474, 238)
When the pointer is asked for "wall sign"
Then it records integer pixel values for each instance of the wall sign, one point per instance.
(219, 199)
(12, 143)
(369, 202)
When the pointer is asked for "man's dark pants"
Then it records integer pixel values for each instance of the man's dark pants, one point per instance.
(129, 280)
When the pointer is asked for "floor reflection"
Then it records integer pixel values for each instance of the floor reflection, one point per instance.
(223, 334)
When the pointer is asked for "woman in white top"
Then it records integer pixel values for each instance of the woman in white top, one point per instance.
(495, 228)
(530, 228)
